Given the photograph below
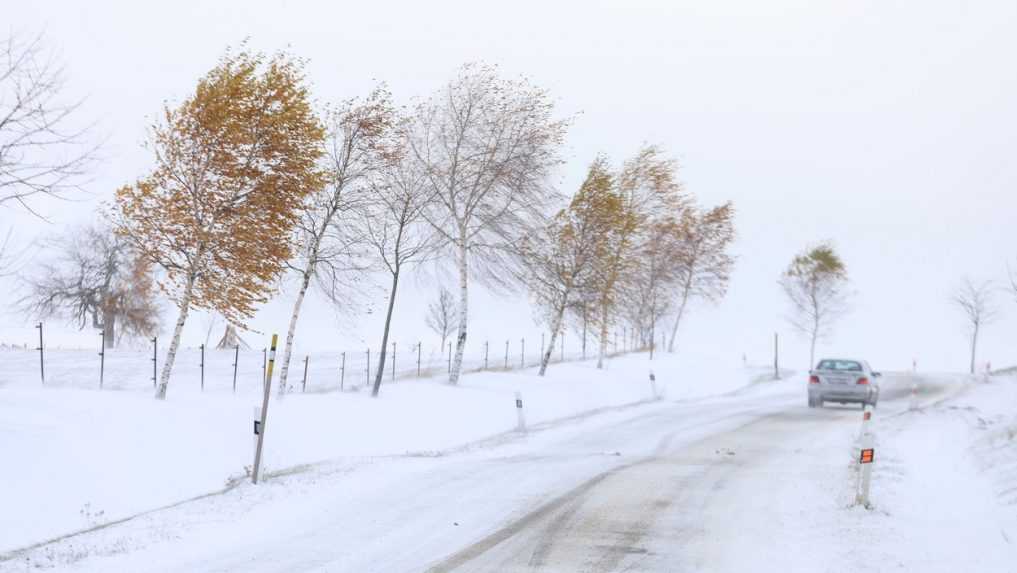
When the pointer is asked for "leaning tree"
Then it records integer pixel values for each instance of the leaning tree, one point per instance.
(816, 287)
(487, 146)
(233, 164)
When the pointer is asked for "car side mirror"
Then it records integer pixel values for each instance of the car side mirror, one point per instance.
(877, 374)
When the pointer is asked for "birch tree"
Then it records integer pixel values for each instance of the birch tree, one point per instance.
(703, 263)
(359, 143)
(395, 228)
(233, 164)
(487, 147)
(560, 258)
(441, 315)
(649, 189)
(816, 287)
(975, 301)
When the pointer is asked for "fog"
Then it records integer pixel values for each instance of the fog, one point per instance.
(885, 127)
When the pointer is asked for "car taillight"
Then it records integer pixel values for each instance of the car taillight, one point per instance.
(863, 380)
(813, 379)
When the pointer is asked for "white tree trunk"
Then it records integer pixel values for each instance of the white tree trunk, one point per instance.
(171, 354)
(291, 333)
(974, 347)
(457, 363)
(678, 319)
(545, 357)
(603, 337)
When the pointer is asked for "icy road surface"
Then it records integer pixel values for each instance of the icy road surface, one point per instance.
(747, 481)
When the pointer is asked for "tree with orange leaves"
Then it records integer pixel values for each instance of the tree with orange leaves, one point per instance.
(233, 165)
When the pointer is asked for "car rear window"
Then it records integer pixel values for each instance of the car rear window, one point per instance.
(845, 365)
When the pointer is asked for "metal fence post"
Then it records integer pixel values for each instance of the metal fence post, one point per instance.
(485, 354)
(42, 364)
(236, 361)
(342, 373)
(202, 365)
(102, 357)
(155, 358)
(303, 384)
(522, 352)
(419, 345)
(506, 354)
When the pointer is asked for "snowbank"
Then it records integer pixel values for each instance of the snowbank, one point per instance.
(76, 456)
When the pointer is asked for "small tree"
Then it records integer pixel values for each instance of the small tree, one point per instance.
(359, 143)
(703, 263)
(487, 146)
(975, 301)
(42, 151)
(441, 315)
(560, 258)
(394, 226)
(234, 162)
(95, 279)
(815, 284)
(649, 190)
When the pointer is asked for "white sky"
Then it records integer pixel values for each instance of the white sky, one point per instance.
(888, 127)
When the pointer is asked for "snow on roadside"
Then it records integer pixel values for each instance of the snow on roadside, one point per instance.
(79, 457)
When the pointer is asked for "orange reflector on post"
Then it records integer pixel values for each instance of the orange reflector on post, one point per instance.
(868, 415)
(868, 455)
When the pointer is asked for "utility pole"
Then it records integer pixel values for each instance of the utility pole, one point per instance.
(42, 362)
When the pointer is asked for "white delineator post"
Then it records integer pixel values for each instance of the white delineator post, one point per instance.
(260, 438)
(866, 458)
(653, 386)
(520, 419)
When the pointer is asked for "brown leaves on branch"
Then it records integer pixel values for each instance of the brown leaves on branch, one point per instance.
(234, 163)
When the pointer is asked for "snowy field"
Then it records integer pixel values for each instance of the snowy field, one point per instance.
(87, 457)
(433, 477)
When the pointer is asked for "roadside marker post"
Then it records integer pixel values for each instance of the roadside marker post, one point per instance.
(653, 386)
(866, 458)
(866, 417)
(259, 426)
(520, 419)
(42, 361)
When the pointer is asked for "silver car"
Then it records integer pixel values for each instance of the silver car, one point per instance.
(843, 381)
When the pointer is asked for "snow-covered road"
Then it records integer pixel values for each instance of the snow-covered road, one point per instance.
(752, 480)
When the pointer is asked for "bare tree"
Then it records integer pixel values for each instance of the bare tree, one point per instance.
(394, 226)
(560, 258)
(441, 315)
(42, 151)
(703, 262)
(975, 300)
(359, 142)
(95, 279)
(487, 146)
(815, 283)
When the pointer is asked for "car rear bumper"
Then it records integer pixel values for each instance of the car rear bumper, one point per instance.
(843, 394)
